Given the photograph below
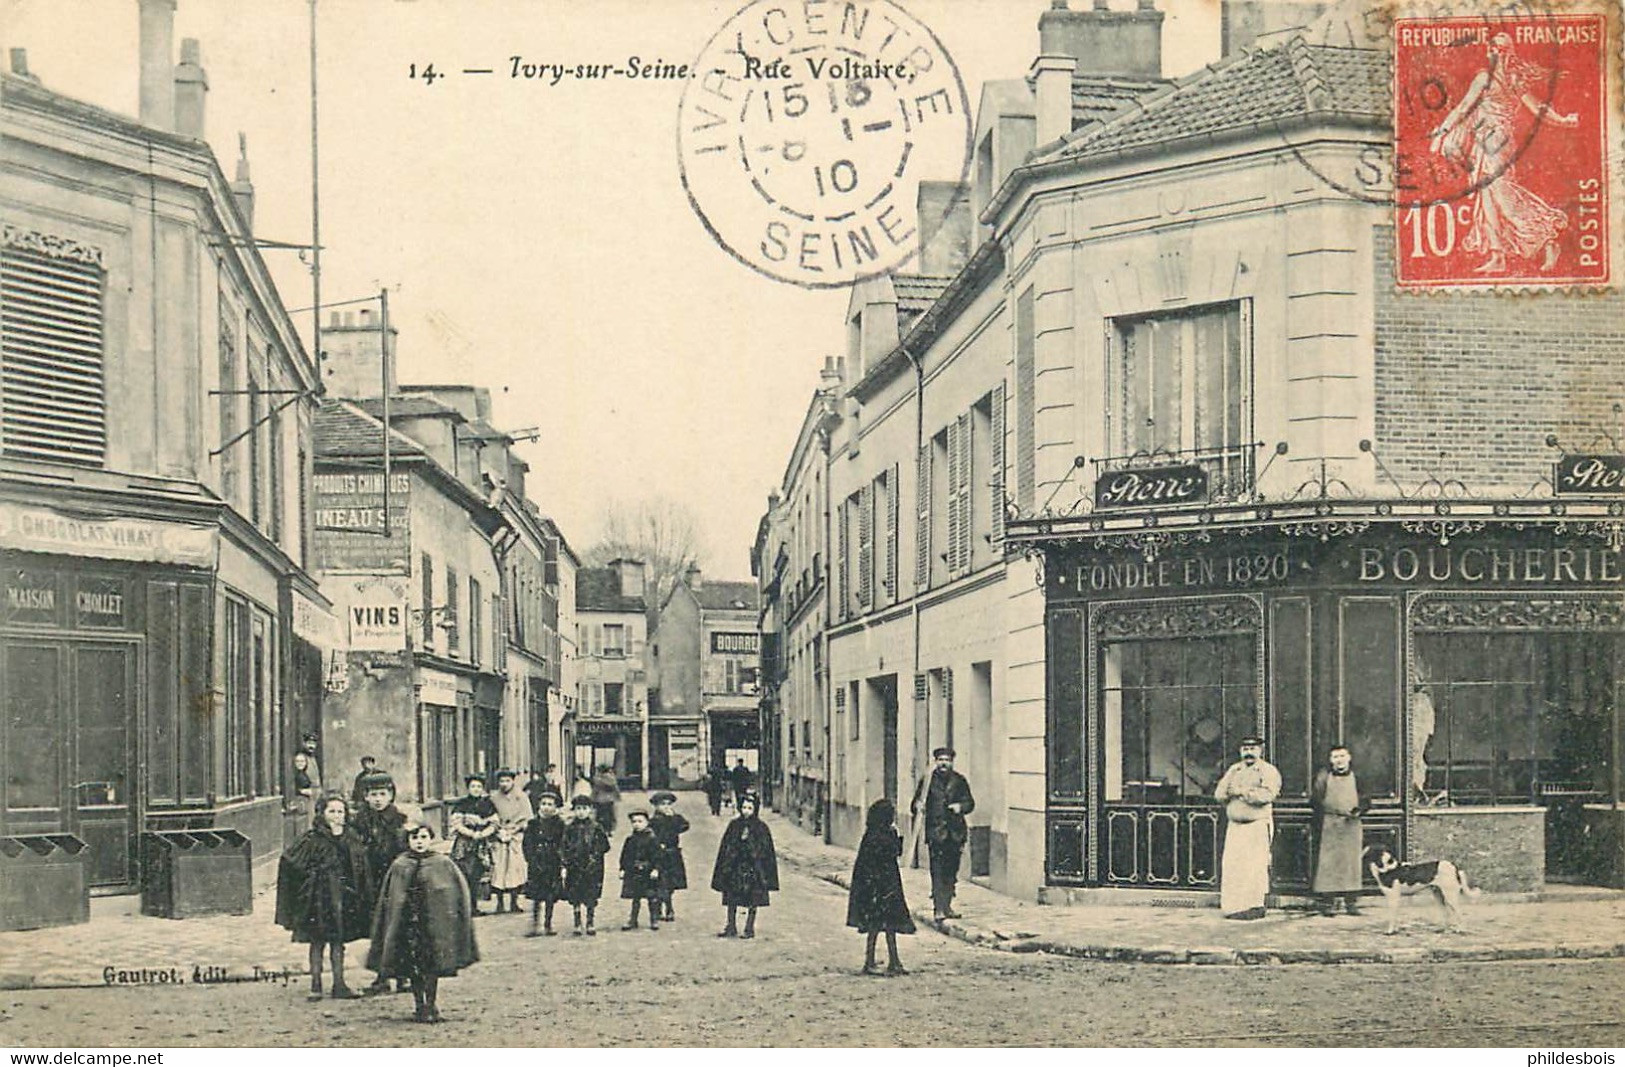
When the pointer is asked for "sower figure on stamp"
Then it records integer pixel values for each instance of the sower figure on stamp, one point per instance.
(747, 867)
(323, 891)
(585, 844)
(423, 930)
(875, 903)
(508, 869)
(1247, 791)
(543, 842)
(944, 798)
(382, 829)
(669, 828)
(640, 869)
(1337, 802)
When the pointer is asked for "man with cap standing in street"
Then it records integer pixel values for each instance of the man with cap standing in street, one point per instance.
(944, 797)
(1247, 791)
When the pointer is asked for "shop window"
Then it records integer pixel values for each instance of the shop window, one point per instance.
(52, 392)
(1512, 718)
(1371, 696)
(441, 758)
(237, 699)
(1066, 732)
(32, 678)
(1178, 383)
(1290, 694)
(1173, 712)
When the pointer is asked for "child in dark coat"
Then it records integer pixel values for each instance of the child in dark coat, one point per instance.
(875, 904)
(382, 829)
(424, 928)
(543, 841)
(583, 849)
(323, 892)
(669, 827)
(747, 867)
(640, 870)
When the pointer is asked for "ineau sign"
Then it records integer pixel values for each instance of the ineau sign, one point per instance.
(1150, 487)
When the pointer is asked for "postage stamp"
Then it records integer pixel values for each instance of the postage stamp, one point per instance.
(805, 130)
(1500, 152)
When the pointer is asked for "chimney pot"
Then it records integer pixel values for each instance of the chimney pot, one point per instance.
(157, 48)
(19, 64)
(242, 186)
(334, 319)
(191, 87)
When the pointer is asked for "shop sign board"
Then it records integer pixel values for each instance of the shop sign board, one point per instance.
(589, 727)
(437, 687)
(348, 509)
(1151, 487)
(37, 529)
(1590, 475)
(378, 623)
(738, 644)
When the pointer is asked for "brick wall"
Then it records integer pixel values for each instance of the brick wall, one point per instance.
(1484, 378)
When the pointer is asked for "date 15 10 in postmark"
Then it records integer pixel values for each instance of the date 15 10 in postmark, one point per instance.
(1500, 142)
(805, 130)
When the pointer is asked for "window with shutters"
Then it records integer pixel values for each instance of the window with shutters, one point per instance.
(52, 387)
(256, 413)
(996, 483)
(866, 548)
(426, 595)
(230, 403)
(1179, 384)
(476, 606)
(843, 563)
(449, 623)
(978, 498)
(959, 496)
(888, 489)
(1026, 388)
(940, 510)
(275, 479)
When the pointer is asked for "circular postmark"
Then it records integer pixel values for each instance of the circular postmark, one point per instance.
(1450, 140)
(805, 130)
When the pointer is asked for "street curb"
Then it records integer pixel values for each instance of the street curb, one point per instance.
(1222, 956)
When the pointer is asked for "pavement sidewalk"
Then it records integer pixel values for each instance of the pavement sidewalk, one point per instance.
(1586, 925)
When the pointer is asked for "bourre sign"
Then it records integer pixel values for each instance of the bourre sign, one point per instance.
(1590, 474)
(1185, 484)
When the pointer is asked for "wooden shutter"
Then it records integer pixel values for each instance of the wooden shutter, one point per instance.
(955, 430)
(996, 486)
(965, 525)
(921, 690)
(843, 566)
(1026, 390)
(922, 525)
(866, 546)
(894, 490)
(52, 397)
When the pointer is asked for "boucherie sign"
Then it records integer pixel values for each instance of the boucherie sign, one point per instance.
(1151, 486)
(1590, 474)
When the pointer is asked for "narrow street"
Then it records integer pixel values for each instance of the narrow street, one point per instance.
(797, 984)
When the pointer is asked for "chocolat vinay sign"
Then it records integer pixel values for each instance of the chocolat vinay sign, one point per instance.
(1186, 484)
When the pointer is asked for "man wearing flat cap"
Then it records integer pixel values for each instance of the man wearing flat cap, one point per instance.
(1247, 791)
(945, 797)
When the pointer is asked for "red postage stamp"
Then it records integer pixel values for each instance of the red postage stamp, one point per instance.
(1500, 149)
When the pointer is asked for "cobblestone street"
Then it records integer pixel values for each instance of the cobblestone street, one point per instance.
(797, 984)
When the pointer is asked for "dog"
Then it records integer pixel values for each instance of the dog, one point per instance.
(1396, 880)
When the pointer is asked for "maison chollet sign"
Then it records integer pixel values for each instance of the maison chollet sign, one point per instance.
(1143, 486)
(1590, 474)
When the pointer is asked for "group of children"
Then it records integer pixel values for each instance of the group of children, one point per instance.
(378, 874)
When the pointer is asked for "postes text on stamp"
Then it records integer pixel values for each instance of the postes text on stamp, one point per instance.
(1500, 147)
(805, 130)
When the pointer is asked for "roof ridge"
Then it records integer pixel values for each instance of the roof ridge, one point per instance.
(1316, 93)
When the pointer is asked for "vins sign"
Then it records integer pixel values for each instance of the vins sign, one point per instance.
(1590, 474)
(1151, 487)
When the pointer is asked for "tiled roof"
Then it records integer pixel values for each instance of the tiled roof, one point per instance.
(599, 589)
(1096, 98)
(1254, 89)
(342, 429)
(726, 596)
(408, 407)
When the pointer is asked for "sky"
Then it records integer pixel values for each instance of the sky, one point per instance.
(535, 238)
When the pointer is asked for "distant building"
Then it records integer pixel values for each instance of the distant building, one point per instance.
(709, 675)
(612, 705)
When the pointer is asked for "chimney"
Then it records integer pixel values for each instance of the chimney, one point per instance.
(1104, 42)
(352, 354)
(19, 65)
(1052, 88)
(829, 377)
(242, 186)
(631, 575)
(693, 576)
(943, 209)
(158, 63)
(191, 86)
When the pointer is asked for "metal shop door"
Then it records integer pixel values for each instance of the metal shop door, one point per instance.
(1173, 711)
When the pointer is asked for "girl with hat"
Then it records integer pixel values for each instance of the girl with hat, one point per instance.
(382, 829)
(423, 930)
(323, 892)
(544, 838)
(583, 849)
(747, 867)
(669, 827)
(640, 869)
(875, 904)
(473, 823)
